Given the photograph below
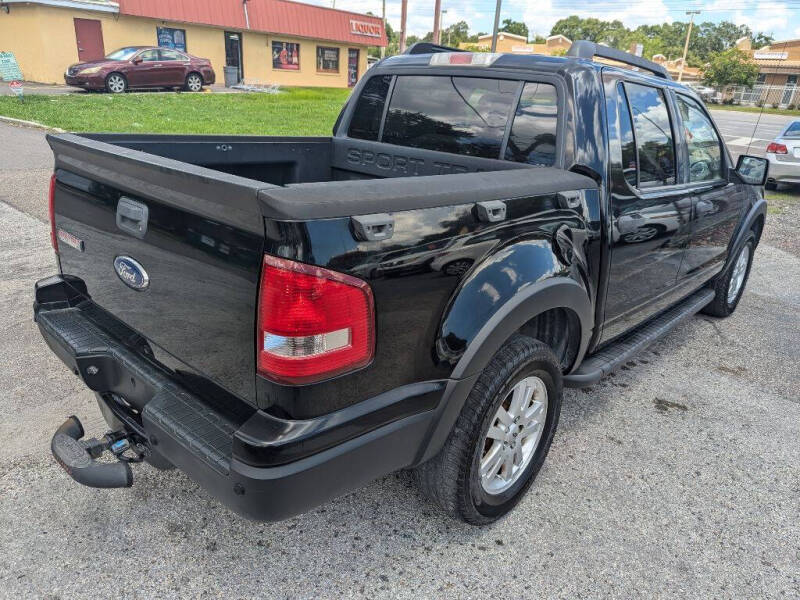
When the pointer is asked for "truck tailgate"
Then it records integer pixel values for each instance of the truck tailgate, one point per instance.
(169, 248)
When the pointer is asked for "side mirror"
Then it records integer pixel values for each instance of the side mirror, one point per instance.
(137, 60)
(752, 170)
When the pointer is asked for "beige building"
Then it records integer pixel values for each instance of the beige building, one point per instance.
(512, 43)
(267, 41)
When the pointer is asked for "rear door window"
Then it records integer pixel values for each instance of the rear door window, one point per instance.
(533, 133)
(460, 115)
(171, 55)
(368, 112)
(655, 147)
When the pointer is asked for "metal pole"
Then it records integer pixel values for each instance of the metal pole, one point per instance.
(437, 16)
(383, 16)
(686, 45)
(496, 26)
(403, 17)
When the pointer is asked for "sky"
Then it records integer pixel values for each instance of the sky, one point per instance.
(779, 18)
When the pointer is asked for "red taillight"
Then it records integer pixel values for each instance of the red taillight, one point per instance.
(312, 323)
(52, 208)
(776, 148)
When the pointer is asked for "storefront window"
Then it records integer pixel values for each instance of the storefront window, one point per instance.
(327, 59)
(169, 37)
(285, 56)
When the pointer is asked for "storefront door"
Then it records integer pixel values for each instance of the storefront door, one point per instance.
(89, 37)
(352, 66)
(233, 52)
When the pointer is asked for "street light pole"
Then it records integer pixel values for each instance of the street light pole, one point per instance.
(496, 25)
(686, 46)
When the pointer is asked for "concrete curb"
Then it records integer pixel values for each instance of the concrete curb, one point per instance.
(31, 124)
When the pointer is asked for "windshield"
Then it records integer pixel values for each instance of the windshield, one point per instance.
(123, 53)
(793, 131)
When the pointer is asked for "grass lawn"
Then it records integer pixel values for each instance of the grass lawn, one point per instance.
(778, 201)
(767, 110)
(294, 111)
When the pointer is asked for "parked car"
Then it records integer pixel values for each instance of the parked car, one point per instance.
(783, 154)
(142, 67)
(295, 370)
(708, 94)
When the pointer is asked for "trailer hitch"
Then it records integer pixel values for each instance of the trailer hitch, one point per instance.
(77, 456)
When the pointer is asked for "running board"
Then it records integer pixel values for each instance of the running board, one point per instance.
(603, 362)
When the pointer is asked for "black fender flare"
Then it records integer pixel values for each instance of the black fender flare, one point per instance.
(758, 209)
(558, 292)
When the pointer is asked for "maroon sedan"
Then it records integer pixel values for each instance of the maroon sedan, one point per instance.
(142, 67)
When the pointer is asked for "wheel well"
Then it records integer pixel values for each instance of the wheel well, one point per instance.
(559, 328)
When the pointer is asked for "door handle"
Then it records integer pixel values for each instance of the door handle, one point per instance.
(132, 217)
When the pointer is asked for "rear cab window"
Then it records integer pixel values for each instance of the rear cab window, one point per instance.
(472, 116)
(652, 130)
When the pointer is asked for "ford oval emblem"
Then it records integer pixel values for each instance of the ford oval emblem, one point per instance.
(131, 273)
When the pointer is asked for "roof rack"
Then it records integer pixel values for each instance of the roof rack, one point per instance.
(429, 48)
(587, 49)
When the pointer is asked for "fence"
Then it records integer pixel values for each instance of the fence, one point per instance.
(782, 95)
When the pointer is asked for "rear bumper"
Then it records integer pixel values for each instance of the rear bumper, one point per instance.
(261, 466)
(783, 171)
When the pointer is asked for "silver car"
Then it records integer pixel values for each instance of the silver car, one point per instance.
(783, 155)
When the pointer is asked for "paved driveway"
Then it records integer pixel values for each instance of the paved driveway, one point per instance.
(677, 477)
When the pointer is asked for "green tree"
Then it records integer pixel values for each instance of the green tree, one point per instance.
(730, 67)
(455, 34)
(515, 27)
(613, 33)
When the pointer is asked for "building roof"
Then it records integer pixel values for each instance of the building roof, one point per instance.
(505, 33)
(280, 17)
(96, 5)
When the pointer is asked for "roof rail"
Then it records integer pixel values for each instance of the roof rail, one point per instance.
(429, 48)
(587, 49)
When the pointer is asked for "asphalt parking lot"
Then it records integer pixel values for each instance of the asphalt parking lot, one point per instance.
(677, 477)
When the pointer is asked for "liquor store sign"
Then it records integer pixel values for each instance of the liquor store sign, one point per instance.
(365, 28)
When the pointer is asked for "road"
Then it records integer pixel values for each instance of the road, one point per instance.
(677, 477)
(745, 129)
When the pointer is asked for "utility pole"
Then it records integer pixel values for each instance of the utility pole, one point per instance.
(444, 12)
(383, 16)
(496, 25)
(437, 17)
(686, 46)
(403, 17)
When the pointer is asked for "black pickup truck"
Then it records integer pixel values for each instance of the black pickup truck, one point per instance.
(286, 319)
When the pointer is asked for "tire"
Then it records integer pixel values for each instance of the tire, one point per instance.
(116, 83)
(194, 82)
(771, 186)
(452, 479)
(643, 234)
(725, 299)
(457, 267)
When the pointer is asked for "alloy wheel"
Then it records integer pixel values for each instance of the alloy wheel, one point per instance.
(737, 277)
(116, 84)
(194, 83)
(514, 435)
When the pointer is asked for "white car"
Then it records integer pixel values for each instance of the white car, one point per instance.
(783, 154)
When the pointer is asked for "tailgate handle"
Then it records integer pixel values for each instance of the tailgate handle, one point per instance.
(132, 217)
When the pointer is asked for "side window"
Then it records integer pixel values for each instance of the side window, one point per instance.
(655, 147)
(533, 133)
(630, 168)
(366, 122)
(459, 115)
(149, 56)
(171, 55)
(705, 152)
